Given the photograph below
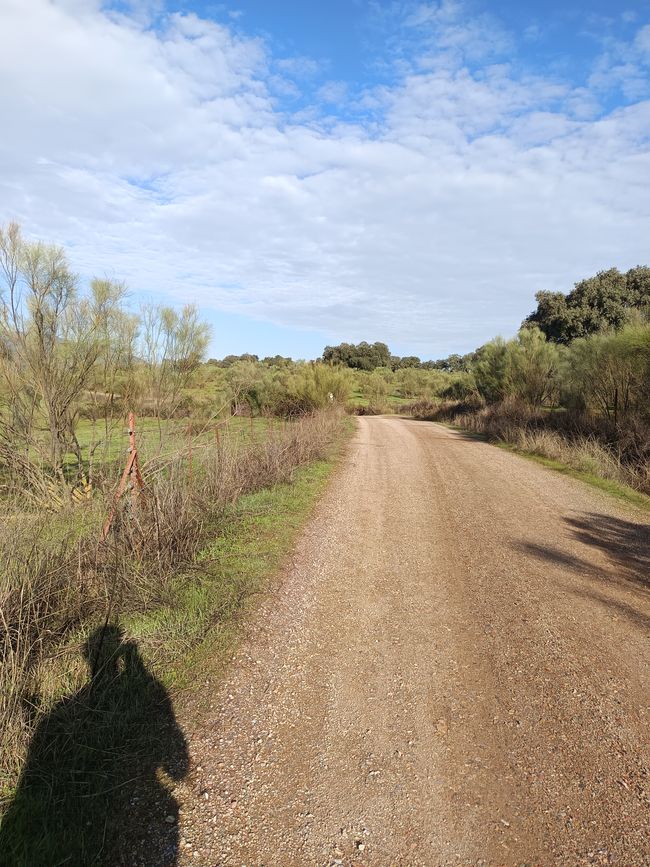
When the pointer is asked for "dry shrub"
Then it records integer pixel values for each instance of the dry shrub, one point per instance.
(421, 409)
(585, 454)
(435, 410)
(371, 409)
(58, 579)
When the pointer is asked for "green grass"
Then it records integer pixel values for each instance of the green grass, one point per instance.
(103, 759)
(176, 435)
(357, 399)
(109, 448)
(200, 619)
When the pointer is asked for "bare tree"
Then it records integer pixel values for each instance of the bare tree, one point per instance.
(173, 347)
(113, 379)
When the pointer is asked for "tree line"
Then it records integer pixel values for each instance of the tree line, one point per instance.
(66, 354)
(585, 350)
(70, 354)
(596, 304)
(75, 356)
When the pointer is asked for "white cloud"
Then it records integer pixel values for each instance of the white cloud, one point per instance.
(160, 154)
(334, 92)
(642, 43)
(447, 32)
(299, 67)
(624, 66)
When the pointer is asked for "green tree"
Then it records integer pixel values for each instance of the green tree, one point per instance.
(409, 361)
(51, 336)
(376, 387)
(315, 385)
(411, 382)
(609, 372)
(362, 356)
(595, 304)
(173, 345)
(491, 370)
(533, 366)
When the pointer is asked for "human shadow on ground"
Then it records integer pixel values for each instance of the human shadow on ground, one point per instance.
(96, 785)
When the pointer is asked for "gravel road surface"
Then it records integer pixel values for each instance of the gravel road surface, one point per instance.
(454, 670)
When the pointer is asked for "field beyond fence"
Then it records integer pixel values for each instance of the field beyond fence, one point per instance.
(60, 580)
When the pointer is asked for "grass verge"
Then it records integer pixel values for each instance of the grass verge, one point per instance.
(98, 777)
(199, 626)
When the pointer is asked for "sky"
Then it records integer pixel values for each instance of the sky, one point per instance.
(310, 172)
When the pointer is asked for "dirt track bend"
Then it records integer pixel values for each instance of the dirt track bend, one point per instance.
(455, 669)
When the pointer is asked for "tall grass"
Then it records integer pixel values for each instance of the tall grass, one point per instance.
(59, 580)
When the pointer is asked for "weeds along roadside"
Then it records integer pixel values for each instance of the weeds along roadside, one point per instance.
(585, 444)
(59, 581)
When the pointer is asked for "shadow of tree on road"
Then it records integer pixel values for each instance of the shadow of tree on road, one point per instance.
(96, 785)
(626, 545)
(622, 609)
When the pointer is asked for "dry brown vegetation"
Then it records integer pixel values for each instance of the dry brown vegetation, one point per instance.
(59, 579)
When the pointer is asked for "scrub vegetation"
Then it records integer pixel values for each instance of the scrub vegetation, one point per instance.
(573, 386)
(232, 454)
(219, 447)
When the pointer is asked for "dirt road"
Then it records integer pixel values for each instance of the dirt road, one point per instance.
(454, 670)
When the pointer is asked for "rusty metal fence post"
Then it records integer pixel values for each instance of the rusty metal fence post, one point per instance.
(131, 475)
